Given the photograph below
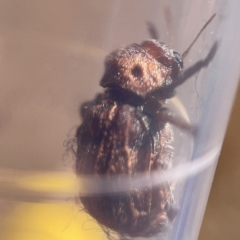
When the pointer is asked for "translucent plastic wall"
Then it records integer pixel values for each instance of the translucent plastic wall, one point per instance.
(51, 61)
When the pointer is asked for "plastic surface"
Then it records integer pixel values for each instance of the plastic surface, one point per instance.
(51, 61)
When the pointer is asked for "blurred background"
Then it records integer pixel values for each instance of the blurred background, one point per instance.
(51, 60)
(222, 216)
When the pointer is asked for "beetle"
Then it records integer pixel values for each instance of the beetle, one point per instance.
(126, 131)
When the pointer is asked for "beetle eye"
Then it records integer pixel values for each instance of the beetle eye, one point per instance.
(137, 71)
(178, 59)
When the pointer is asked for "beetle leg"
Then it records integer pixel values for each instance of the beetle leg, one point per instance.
(195, 68)
(165, 115)
(152, 31)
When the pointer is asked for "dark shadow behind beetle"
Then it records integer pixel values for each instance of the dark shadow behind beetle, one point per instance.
(126, 131)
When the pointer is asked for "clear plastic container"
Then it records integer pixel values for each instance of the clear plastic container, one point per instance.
(52, 59)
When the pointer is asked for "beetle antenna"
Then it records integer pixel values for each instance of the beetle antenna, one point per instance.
(205, 25)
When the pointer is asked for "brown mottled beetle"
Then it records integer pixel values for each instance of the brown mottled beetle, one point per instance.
(126, 130)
